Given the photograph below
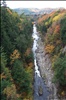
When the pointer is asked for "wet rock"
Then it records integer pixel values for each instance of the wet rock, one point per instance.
(44, 63)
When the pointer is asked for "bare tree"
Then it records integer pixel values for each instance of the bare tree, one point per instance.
(4, 3)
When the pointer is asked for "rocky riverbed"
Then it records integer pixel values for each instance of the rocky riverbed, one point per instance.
(44, 64)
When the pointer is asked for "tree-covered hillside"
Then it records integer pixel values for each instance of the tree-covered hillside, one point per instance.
(52, 27)
(16, 56)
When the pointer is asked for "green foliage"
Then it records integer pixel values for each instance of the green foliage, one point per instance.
(21, 43)
(5, 75)
(12, 37)
(3, 60)
(21, 77)
(29, 58)
(16, 34)
(63, 31)
(60, 70)
(42, 28)
(55, 41)
(8, 31)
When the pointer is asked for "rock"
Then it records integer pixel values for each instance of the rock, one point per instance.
(44, 63)
(40, 90)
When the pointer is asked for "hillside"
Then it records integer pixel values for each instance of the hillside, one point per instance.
(33, 11)
(33, 53)
(16, 56)
(52, 28)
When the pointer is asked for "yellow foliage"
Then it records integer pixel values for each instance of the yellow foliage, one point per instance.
(10, 92)
(15, 55)
(3, 76)
(29, 70)
(15, 14)
(58, 42)
(56, 18)
(62, 93)
(46, 23)
(20, 26)
(46, 16)
(49, 48)
(33, 22)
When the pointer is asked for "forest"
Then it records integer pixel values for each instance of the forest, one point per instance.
(17, 61)
(52, 28)
(16, 55)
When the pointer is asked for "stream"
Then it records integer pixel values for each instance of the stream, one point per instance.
(38, 81)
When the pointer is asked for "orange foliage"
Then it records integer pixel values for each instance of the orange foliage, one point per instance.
(49, 48)
(60, 15)
(30, 65)
(57, 29)
(27, 52)
(52, 13)
(43, 18)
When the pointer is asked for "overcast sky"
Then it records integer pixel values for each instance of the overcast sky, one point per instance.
(36, 4)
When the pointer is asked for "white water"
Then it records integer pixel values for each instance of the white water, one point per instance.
(38, 81)
(49, 90)
(35, 37)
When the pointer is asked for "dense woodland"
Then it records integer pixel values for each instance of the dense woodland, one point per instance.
(16, 52)
(16, 56)
(52, 27)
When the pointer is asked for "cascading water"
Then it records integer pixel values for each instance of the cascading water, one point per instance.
(35, 37)
(38, 79)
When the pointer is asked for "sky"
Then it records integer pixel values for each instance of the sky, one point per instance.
(35, 4)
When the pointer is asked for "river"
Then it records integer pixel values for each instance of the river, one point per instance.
(38, 81)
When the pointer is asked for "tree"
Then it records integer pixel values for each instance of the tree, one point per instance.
(63, 31)
(21, 77)
(4, 3)
(16, 38)
(3, 60)
(60, 70)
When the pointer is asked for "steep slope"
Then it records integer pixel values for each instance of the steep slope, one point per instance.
(52, 27)
(16, 56)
